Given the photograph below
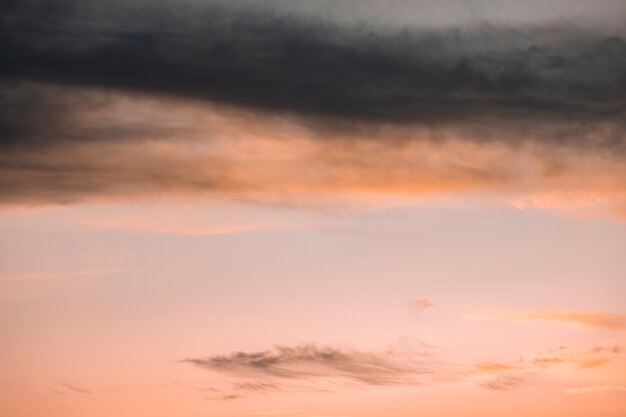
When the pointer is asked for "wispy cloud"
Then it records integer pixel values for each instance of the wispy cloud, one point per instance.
(307, 367)
(308, 361)
(230, 397)
(597, 388)
(500, 376)
(73, 388)
(503, 382)
(63, 274)
(278, 412)
(598, 320)
(422, 304)
(168, 226)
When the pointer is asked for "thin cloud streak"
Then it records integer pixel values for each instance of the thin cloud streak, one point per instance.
(83, 272)
(422, 304)
(307, 367)
(503, 382)
(278, 412)
(167, 227)
(74, 388)
(609, 321)
(309, 361)
(592, 389)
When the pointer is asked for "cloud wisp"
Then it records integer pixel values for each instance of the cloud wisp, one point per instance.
(77, 273)
(73, 388)
(307, 367)
(595, 388)
(422, 304)
(308, 361)
(607, 321)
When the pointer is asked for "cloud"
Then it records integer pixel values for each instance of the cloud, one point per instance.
(500, 376)
(308, 361)
(208, 152)
(308, 367)
(422, 304)
(188, 100)
(278, 412)
(312, 66)
(167, 226)
(231, 397)
(502, 382)
(73, 388)
(591, 389)
(597, 320)
(609, 321)
(82, 272)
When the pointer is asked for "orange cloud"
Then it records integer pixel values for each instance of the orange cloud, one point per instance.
(309, 367)
(598, 388)
(169, 226)
(82, 272)
(189, 151)
(608, 321)
(422, 304)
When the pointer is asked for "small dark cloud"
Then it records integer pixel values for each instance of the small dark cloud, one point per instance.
(503, 382)
(231, 397)
(308, 367)
(422, 304)
(263, 386)
(74, 388)
(309, 362)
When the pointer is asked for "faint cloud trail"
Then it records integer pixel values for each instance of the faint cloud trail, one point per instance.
(83, 272)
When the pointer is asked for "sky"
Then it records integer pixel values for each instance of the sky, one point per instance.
(312, 208)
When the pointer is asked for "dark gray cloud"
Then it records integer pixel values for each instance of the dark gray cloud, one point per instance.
(73, 388)
(308, 361)
(270, 60)
(69, 70)
(309, 367)
(503, 382)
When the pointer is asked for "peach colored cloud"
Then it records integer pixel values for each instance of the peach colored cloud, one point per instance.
(167, 225)
(609, 321)
(308, 367)
(422, 304)
(189, 151)
(62, 274)
(598, 388)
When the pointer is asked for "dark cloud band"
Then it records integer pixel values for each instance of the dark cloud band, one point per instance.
(279, 62)
(91, 96)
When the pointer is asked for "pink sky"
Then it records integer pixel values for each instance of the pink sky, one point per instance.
(498, 308)
(312, 208)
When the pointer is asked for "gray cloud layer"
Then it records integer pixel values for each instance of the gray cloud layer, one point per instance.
(268, 60)
(313, 368)
(310, 361)
(69, 68)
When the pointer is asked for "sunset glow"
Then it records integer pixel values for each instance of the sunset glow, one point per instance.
(313, 208)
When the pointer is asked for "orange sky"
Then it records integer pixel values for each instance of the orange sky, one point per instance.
(106, 307)
(312, 209)
(339, 276)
